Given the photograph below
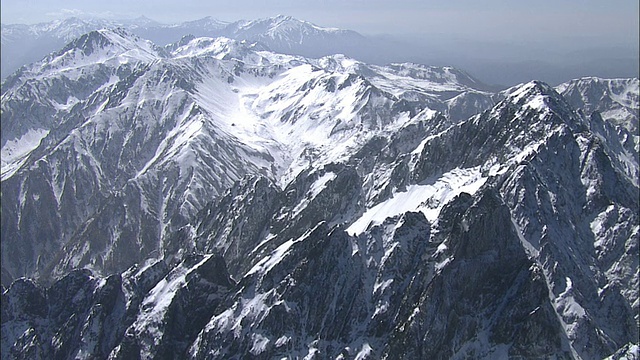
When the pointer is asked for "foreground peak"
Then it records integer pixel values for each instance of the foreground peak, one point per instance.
(537, 86)
(528, 90)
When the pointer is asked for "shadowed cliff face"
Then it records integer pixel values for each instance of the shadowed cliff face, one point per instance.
(151, 310)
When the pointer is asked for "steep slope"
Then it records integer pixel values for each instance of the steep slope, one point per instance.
(513, 233)
(24, 44)
(145, 138)
(531, 241)
(616, 99)
(80, 80)
(84, 317)
(617, 102)
(612, 106)
(85, 66)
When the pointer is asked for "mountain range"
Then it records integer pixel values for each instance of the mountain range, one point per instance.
(555, 61)
(216, 198)
(24, 44)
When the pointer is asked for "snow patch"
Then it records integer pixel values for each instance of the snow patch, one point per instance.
(439, 266)
(15, 152)
(428, 199)
(569, 309)
(365, 353)
(267, 263)
(259, 344)
(380, 287)
(282, 340)
(531, 250)
(315, 189)
(155, 305)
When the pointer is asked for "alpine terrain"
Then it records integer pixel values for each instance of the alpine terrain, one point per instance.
(23, 44)
(224, 198)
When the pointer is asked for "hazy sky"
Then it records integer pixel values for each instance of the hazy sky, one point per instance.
(616, 20)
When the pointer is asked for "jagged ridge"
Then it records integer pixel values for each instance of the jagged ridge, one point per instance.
(395, 231)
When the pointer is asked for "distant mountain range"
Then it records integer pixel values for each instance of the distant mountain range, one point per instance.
(505, 64)
(24, 44)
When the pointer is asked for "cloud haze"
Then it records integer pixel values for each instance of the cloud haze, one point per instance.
(495, 18)
(570, 38)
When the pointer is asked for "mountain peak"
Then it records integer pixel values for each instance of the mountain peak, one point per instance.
(281, 20)
(72, 20)
(536, 107)
(529, 92)
(220, 47)
(617, 100)
(209, 23)
(537, 86)
(89, 42)
(104, 44)
(144, 18)
(284, 18)
(280, 24)
(140, 21)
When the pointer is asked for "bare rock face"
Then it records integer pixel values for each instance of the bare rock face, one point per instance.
(150, 311)
(487, 298)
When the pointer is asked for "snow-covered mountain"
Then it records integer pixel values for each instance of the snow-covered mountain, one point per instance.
(288, 35)
(24, 44)
(617, 101)
(215, 199)
(116, 121)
